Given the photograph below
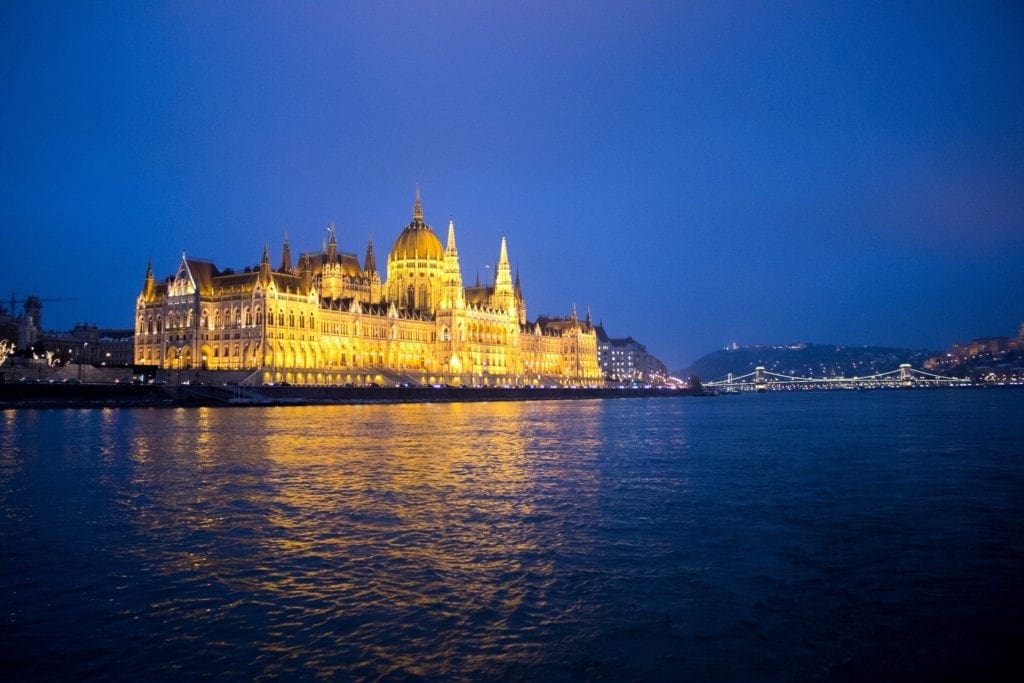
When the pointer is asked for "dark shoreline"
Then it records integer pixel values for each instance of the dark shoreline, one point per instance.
(63, 396)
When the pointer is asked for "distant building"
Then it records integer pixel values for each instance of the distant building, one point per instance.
(986, 359)
(625, 359)
(89, 344)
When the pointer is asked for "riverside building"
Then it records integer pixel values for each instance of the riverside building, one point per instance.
(331, 321)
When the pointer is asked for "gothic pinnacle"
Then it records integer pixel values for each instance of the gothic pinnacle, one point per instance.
(417, 207)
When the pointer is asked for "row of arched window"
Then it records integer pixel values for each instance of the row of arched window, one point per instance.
(239, 317)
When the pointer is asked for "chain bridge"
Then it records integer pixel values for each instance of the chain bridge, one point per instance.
(903, 377)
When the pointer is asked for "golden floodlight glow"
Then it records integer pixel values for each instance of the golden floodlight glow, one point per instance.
(332, 321)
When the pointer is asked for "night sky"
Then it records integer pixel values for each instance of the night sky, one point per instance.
(695, 173)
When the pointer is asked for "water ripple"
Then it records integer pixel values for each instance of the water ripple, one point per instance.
(769, 537)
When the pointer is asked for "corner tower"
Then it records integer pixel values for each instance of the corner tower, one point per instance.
(453, 295)
(504, 291)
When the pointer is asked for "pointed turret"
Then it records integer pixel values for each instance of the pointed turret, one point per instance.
(286, 255)
(503, 278)
(371, 260)
(450, 248)
(503, 256)
(306, 273)
(452, 296)
(504, 294)
(265, 264)
(332, 244)
(148, 285)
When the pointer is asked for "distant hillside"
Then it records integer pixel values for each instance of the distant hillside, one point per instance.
(804, 360)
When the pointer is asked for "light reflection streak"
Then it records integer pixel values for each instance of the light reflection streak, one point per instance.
(370, 516)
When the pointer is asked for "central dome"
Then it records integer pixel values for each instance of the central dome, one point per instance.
(417, 241)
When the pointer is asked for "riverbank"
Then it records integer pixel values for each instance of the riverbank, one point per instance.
(157, 396)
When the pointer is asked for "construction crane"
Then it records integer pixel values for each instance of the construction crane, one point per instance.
(15, 301)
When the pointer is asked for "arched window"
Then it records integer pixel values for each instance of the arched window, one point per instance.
(259, 316)
(248, 317)
(423, 296)
(158, 326)
(280, 317)
(204, 319)
(302, 319)
(238, 317)
(291, 318)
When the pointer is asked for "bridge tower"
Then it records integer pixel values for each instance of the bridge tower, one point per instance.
(906, 379)
(760, 382)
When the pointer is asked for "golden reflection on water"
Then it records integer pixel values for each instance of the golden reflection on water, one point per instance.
(394, 508)
(9, 460)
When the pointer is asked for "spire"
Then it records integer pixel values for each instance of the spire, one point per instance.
(452, 295)
(148, 286)
(503, 258)
(332, 244)
(371, 260)
(450, 247)
(417, 208)
(265, 264)
(503, 274)
(286, 255)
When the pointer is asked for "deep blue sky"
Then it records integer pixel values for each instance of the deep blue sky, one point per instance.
(696, 173)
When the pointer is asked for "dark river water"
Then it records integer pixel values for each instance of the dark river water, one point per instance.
(809, 536)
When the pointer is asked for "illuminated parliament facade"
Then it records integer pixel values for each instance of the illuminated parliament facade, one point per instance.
(330, 321)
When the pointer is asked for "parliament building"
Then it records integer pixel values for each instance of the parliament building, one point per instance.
(331, 321)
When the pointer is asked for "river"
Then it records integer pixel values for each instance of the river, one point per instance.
(780, 536)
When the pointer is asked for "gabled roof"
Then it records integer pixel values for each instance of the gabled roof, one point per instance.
(202, 274)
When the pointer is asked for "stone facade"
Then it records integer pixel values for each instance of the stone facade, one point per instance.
(331, 321)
